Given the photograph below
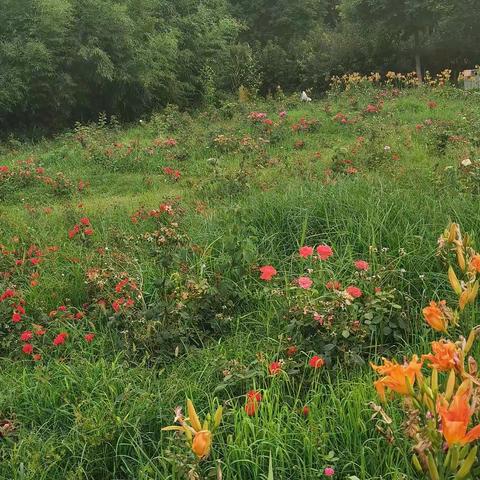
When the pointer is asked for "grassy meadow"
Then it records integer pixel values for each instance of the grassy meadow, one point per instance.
(132, 256)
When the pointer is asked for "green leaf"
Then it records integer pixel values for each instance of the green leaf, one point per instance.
(270, 467)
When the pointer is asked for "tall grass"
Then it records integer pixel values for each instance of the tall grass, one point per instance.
(96, 412)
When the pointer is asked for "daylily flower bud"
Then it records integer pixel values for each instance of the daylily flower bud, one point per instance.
(416, 464)
(461, 258)
(432, 468)
(452, 233)
(457, 288)
(470, 340)
(467, 464)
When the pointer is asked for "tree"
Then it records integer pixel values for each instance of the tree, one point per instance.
(67, 60)
(276, 31)
(456, 40)
(32, 46)
(410, 20)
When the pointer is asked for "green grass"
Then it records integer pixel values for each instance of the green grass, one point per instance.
(95, 410)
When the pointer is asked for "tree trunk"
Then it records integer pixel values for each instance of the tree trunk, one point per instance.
(418, 60)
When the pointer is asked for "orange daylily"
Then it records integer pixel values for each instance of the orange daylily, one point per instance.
(198, 435)
(435, 316)
(475, 263)
(202, 442)
(445, 356)
(397, 378)
(456, 416)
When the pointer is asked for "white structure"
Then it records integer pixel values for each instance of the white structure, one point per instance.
(304, 97)
(471, 79)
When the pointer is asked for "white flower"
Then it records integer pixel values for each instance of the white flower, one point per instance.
(467, 162)
(387, 148)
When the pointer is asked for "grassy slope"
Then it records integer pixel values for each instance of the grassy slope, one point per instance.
(95, 416)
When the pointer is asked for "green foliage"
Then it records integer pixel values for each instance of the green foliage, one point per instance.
(65, 60)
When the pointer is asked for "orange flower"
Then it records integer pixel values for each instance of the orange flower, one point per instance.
(475, 263)
(456, 416)
(199, 437)
(395, 376)
(444, 357)
(202, 441)
(253, 399)
(435, 316)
